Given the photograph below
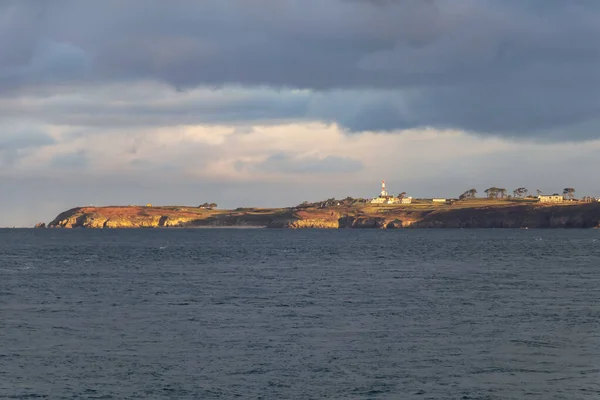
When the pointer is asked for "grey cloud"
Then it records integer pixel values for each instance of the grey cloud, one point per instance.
(49, 61)
(159, 106)
(505, 67)
(305, 165)
(24, 139)
(75, 160)
(8, 158)
(16, 143)
(534, 113)
(153, 166)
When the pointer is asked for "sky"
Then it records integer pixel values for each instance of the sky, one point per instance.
(274, 102)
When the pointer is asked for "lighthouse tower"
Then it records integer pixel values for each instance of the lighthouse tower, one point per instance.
(384, 193)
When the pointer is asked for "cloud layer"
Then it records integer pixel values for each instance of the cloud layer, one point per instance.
(492, 67)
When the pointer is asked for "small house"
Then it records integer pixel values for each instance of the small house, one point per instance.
(551, 198)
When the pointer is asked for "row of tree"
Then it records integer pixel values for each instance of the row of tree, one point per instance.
(208, 205)
(522, 192)
(491, 193)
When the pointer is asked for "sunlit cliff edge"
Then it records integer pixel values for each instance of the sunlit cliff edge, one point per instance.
(468, 214)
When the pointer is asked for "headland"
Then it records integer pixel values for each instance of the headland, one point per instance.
(425, 213)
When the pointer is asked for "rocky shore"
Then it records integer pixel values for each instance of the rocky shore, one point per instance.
(509, 215)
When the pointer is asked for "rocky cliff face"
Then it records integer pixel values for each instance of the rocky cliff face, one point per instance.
(511, 216)
(95, 218)
(530, 216)
(312, 223)
(159, 217)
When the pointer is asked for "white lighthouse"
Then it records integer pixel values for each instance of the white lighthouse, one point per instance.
(385, 198)
(384, 193)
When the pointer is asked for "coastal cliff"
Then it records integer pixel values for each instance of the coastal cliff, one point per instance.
(160, 217)
(479, 215)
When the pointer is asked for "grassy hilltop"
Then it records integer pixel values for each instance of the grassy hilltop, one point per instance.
(471, 213)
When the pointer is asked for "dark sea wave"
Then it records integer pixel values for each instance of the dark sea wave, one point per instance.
(310, 314)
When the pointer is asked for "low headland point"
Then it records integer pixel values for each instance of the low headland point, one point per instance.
(496, 209)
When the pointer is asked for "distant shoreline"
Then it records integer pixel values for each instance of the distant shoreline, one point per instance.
(459, 214)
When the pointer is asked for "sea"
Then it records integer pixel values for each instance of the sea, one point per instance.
(299, 314)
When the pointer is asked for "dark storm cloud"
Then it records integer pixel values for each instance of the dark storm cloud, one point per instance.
(495, 66)
(158, 106)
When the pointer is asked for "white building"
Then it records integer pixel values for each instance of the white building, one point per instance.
(386, 200)
(439, 200)
(551, 198)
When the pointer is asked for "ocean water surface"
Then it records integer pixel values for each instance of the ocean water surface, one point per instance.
(307, 314)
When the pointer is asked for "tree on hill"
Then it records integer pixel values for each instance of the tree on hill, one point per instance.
(468, 194)
(492, 192)
(569, 192)
(402, 195)
(539, 192)
(495, 192)
(520, 192)
(213, 205)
